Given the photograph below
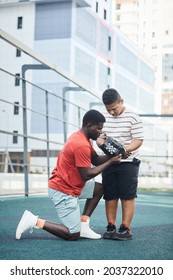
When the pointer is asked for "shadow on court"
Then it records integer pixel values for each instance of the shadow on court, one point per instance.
(152, 229)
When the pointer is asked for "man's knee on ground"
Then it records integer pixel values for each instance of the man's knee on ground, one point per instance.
(73, 236)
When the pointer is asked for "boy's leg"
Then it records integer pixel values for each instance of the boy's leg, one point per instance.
(128, 208)
(128, 192)
(111, 211)
(111, 197)
(124, 232)
(111, 215)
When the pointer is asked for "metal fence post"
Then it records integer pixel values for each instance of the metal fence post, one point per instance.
(26, 67)
(25, 139)
(47, 133)
(65, 89)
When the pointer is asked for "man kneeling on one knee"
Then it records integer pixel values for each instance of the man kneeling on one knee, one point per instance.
(70, 178)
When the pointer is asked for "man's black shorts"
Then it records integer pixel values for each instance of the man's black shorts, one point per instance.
(121, 180)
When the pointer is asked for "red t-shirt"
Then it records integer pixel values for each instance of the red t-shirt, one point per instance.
(76, 153)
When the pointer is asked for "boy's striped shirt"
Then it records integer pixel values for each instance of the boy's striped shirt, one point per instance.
(124, 128)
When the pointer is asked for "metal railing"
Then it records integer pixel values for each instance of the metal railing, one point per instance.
(43, 129)
(26, 89)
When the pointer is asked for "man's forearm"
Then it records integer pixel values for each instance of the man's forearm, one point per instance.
(100, 160)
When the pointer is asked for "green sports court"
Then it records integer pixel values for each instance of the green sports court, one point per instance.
(152, 230)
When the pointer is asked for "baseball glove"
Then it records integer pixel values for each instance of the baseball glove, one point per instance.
(112, 147)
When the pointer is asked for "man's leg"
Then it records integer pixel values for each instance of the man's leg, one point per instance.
(60, 230)
(91, 203)
(28, 221)
(68, 211)
(89, 207)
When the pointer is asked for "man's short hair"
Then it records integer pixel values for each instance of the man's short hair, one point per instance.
(110, 96)
(94, 117)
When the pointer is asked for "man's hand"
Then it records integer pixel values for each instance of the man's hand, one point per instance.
(111, 147)
(101, 139)
(116, 159)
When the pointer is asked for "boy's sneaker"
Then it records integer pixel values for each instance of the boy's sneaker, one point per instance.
(87, 232)
(28, 221)
(111, 230)
(123, 233)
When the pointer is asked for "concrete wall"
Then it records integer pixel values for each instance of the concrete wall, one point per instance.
(11, 184)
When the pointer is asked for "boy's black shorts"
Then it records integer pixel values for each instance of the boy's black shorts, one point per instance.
(121, 180)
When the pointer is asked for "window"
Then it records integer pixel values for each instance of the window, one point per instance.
(166, 32)
(154, 46)
(16, 108)
(18, 52)
(118, 17)
(15, 137)
(19, 22)
(105, 14)
(17, 80)
(118, 6)
(167, 66)
(109, 43)
(97, 7)
(109, 71)
(153, 34)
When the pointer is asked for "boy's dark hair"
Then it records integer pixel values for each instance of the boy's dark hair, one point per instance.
(110, 96)
(94, 117)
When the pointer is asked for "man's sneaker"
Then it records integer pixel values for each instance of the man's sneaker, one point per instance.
(87, 232)
(28, 221)
(123, 233)
(111, 229)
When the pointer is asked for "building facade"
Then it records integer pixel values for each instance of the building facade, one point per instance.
(149, 24)
(78, 36)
